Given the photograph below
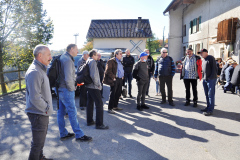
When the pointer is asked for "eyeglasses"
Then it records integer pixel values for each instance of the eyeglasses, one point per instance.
(164, 52)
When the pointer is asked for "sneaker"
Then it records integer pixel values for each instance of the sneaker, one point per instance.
(171, 104)
(163, 102)
(130, 96)
(44, 158)
(144, 106)
(139, 108)
(84, 138)
(69, 135)
(102, 127)
(195, 104)
(111, 111)
(204, 110)
(117, 109)
(207, 113)
(187, 103)
(91, 123)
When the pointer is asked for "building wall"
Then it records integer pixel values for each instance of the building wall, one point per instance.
(211, 12)
(119, 43)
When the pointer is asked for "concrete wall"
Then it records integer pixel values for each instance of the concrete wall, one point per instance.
(211, 12)
(119, 43)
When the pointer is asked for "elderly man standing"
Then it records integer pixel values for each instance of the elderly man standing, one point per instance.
(113, 76)
(128, 62)
(101, 69)
(38, 100)
(140, 72)
(67, 96)
(191, 71)
(83, 90)
(165, 69)
(209, 74)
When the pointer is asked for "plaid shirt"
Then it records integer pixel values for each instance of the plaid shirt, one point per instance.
(190, 68)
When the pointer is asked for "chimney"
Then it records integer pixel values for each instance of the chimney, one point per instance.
(139, 23)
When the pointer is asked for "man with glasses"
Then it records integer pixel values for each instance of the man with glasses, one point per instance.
(191, 71)
(165, 69)
(113, 76)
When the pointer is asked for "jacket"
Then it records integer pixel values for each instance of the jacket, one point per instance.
(101, 68)
(198, 65)
(151, 65)
(110, 72)
(164, 67)
(209, 68)
(81, 62)
(222, 75)
(236, 76)
(140, 71)
(128, 64)
(38, 94)
(94, 74)
(229, 73)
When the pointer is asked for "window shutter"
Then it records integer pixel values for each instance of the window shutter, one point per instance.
(200, 20)
(194, 25)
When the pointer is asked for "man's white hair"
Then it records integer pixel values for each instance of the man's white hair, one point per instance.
(163, 49)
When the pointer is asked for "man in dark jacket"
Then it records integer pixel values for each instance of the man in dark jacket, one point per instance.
(101, 69)
(83, 90)
(113, 76)
(165, 69)
(128, 62)
(209, 74)
(140, 72)
(151, 67)
(191, 71)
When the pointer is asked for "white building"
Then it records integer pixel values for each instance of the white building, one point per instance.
(120, 33)
(210, 24)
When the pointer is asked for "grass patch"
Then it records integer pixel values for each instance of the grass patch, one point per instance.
(155, 55)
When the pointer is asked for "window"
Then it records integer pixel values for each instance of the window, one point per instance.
(184, 30)
(191, 27)
(195, 25)
(199, 24)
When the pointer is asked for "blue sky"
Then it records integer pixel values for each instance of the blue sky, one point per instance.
(74, 16)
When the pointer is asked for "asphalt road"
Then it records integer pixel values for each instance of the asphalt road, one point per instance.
(162, 132)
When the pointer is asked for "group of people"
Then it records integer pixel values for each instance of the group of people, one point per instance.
(117, 71)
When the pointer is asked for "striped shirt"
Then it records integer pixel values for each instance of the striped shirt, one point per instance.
(189, 68)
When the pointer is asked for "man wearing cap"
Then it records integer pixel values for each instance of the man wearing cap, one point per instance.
(151, 67)
(113, 76)
(209, 76)
(140, 73)
(191, 71)
(228, 75)
(83, 90)
(165, 69)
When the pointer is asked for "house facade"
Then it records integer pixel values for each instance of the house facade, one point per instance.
(210, 24)
(125, 34)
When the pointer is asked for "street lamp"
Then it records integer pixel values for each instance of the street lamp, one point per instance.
(76, 37)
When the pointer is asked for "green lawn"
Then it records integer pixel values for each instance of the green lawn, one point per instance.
(155, 55)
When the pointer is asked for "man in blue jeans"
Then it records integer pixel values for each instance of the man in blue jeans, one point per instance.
(209, 76)
(67, 96)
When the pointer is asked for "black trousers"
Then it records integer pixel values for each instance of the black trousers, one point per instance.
(168, 81)
(39, 126)
(83, 96)
(149, 78)
(115, 93)
(187, 83)
(101, 79)
(142, 87)
(94, 96)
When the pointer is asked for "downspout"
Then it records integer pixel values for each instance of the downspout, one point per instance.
(208, 25)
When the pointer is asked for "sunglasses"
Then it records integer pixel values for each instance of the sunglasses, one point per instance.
(164, 52)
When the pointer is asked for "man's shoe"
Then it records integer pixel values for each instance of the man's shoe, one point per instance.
(121, 98)
(163, 102)
(91, 123)
(207, 113)
(130, 96)
(187, 103)
(139, 108)
(144, 106)
(171, 104)
(84, 138)
(69, 135)
(111, 111)
(148, 95)
(44, 158)
(195, 104)
(204, 110)
(124, 96)
(102, 127)
(82, 108)
(117, 109)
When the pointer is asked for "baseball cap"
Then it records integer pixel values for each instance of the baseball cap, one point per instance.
(203, 50)
(143, 54)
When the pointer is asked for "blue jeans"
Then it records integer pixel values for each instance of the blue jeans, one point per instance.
(157, 87)
(209, 89)
(67, 104)
(128, 78)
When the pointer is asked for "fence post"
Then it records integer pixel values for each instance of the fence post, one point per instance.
(19, 78)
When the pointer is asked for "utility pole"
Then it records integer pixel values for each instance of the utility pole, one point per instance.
(76, 37)
(163, 37)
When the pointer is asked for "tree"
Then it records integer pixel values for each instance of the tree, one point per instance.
(87, 46)
(22, 26)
